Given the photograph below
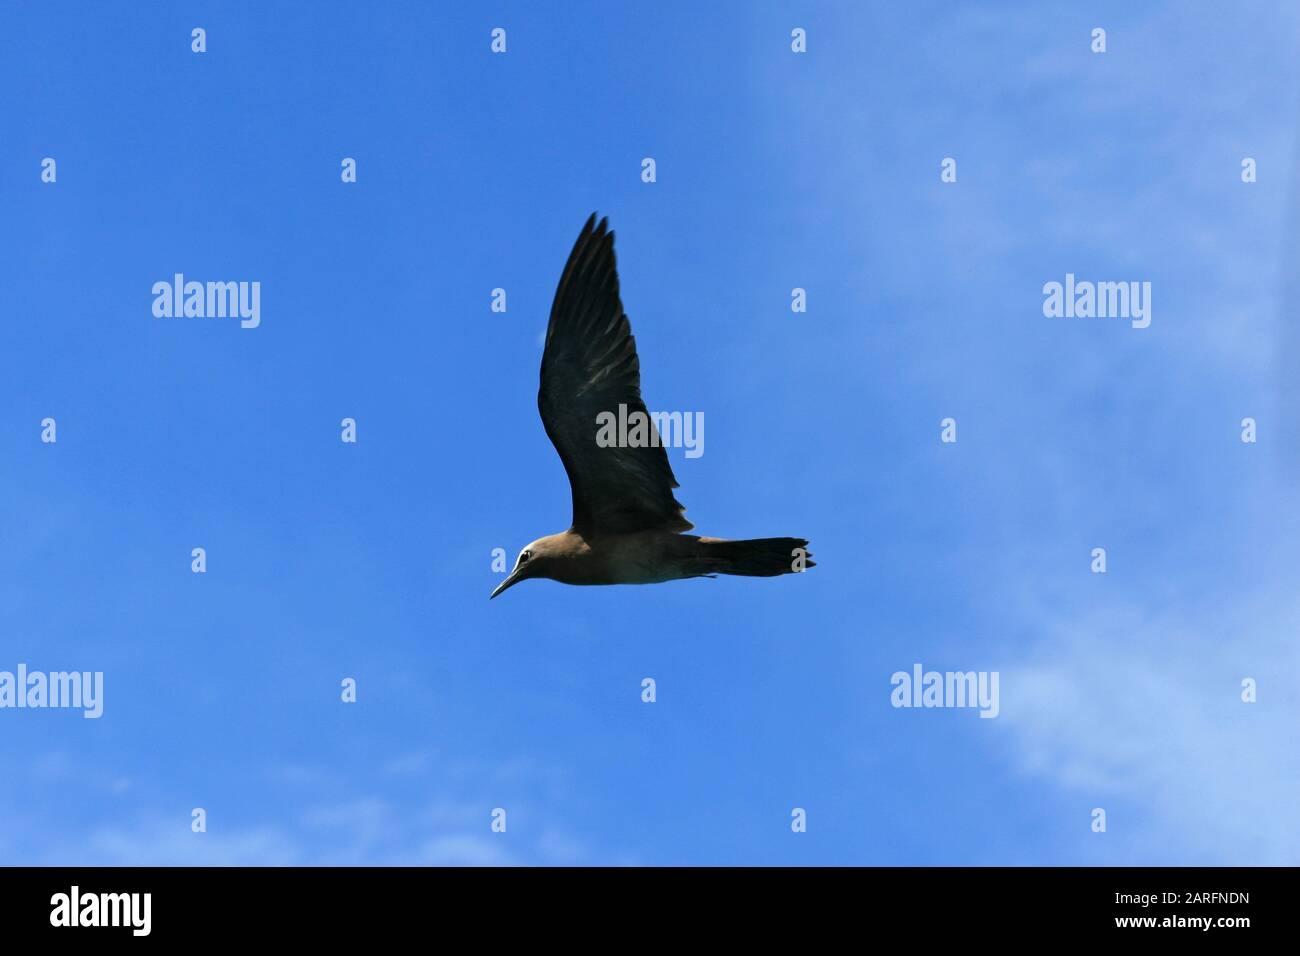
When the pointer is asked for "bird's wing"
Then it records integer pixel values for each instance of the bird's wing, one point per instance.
(590, 366)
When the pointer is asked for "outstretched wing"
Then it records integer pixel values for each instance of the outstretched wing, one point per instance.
(590, 366)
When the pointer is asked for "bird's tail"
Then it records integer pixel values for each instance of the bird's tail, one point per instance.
(756, 557)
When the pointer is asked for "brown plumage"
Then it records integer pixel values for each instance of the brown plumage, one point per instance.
(626, 522)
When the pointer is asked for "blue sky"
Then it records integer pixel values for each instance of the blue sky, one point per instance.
(775, 171)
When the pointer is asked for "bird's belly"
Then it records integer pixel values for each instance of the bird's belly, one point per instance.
(638, 559)
(633, 573)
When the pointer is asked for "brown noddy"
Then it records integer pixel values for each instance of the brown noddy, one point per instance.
(627, 526)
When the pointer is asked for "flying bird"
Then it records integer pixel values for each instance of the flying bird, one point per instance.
(627, 526)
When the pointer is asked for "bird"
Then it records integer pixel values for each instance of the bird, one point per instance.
(627, 526)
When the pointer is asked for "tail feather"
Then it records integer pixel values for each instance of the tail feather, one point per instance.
(756, 557)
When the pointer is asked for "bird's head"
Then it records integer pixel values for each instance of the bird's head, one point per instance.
(534, 561)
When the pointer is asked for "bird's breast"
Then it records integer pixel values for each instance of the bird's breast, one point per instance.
(641, 558)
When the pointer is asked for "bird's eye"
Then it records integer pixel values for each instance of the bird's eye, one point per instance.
(524, 556)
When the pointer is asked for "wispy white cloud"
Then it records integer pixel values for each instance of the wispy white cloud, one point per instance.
(1127, 695)
(1138, 708)
(434, 823)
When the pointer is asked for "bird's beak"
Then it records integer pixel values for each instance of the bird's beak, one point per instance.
(512, 578)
